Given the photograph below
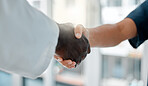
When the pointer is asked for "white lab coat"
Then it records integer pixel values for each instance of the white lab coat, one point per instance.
(27, 39)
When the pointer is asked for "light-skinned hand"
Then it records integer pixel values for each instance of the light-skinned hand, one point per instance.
(78, 31)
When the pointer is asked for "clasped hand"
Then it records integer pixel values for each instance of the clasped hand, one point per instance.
(72, 45)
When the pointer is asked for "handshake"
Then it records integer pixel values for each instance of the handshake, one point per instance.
(69, 47)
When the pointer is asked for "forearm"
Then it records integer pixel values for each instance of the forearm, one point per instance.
(112, 34)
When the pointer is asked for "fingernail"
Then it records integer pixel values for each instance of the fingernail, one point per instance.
(59, 60)
(69, 62)
(78, 35)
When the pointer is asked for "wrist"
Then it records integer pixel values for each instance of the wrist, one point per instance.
(90, 36)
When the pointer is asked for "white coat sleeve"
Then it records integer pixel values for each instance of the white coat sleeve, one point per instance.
(27, 39)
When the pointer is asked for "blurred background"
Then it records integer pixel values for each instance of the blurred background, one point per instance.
(115, 66)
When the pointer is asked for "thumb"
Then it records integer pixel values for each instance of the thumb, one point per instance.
(78, 31)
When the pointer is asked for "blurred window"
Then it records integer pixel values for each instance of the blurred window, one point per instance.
(70, 3)
(121, 65)
(112, 3)
(5, 79)
(31, 82)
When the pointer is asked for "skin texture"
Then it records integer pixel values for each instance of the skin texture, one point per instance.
(107, 35)
(69, 47)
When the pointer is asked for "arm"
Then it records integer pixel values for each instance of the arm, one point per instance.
(134, 27)
(109, 34)
(28, 39)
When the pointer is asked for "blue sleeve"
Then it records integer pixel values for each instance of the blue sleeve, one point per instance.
(140, 17)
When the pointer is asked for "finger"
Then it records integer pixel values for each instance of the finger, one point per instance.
(78, 31)
(58, 58)
(73, 64)
(66, 63)
(55, 56)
